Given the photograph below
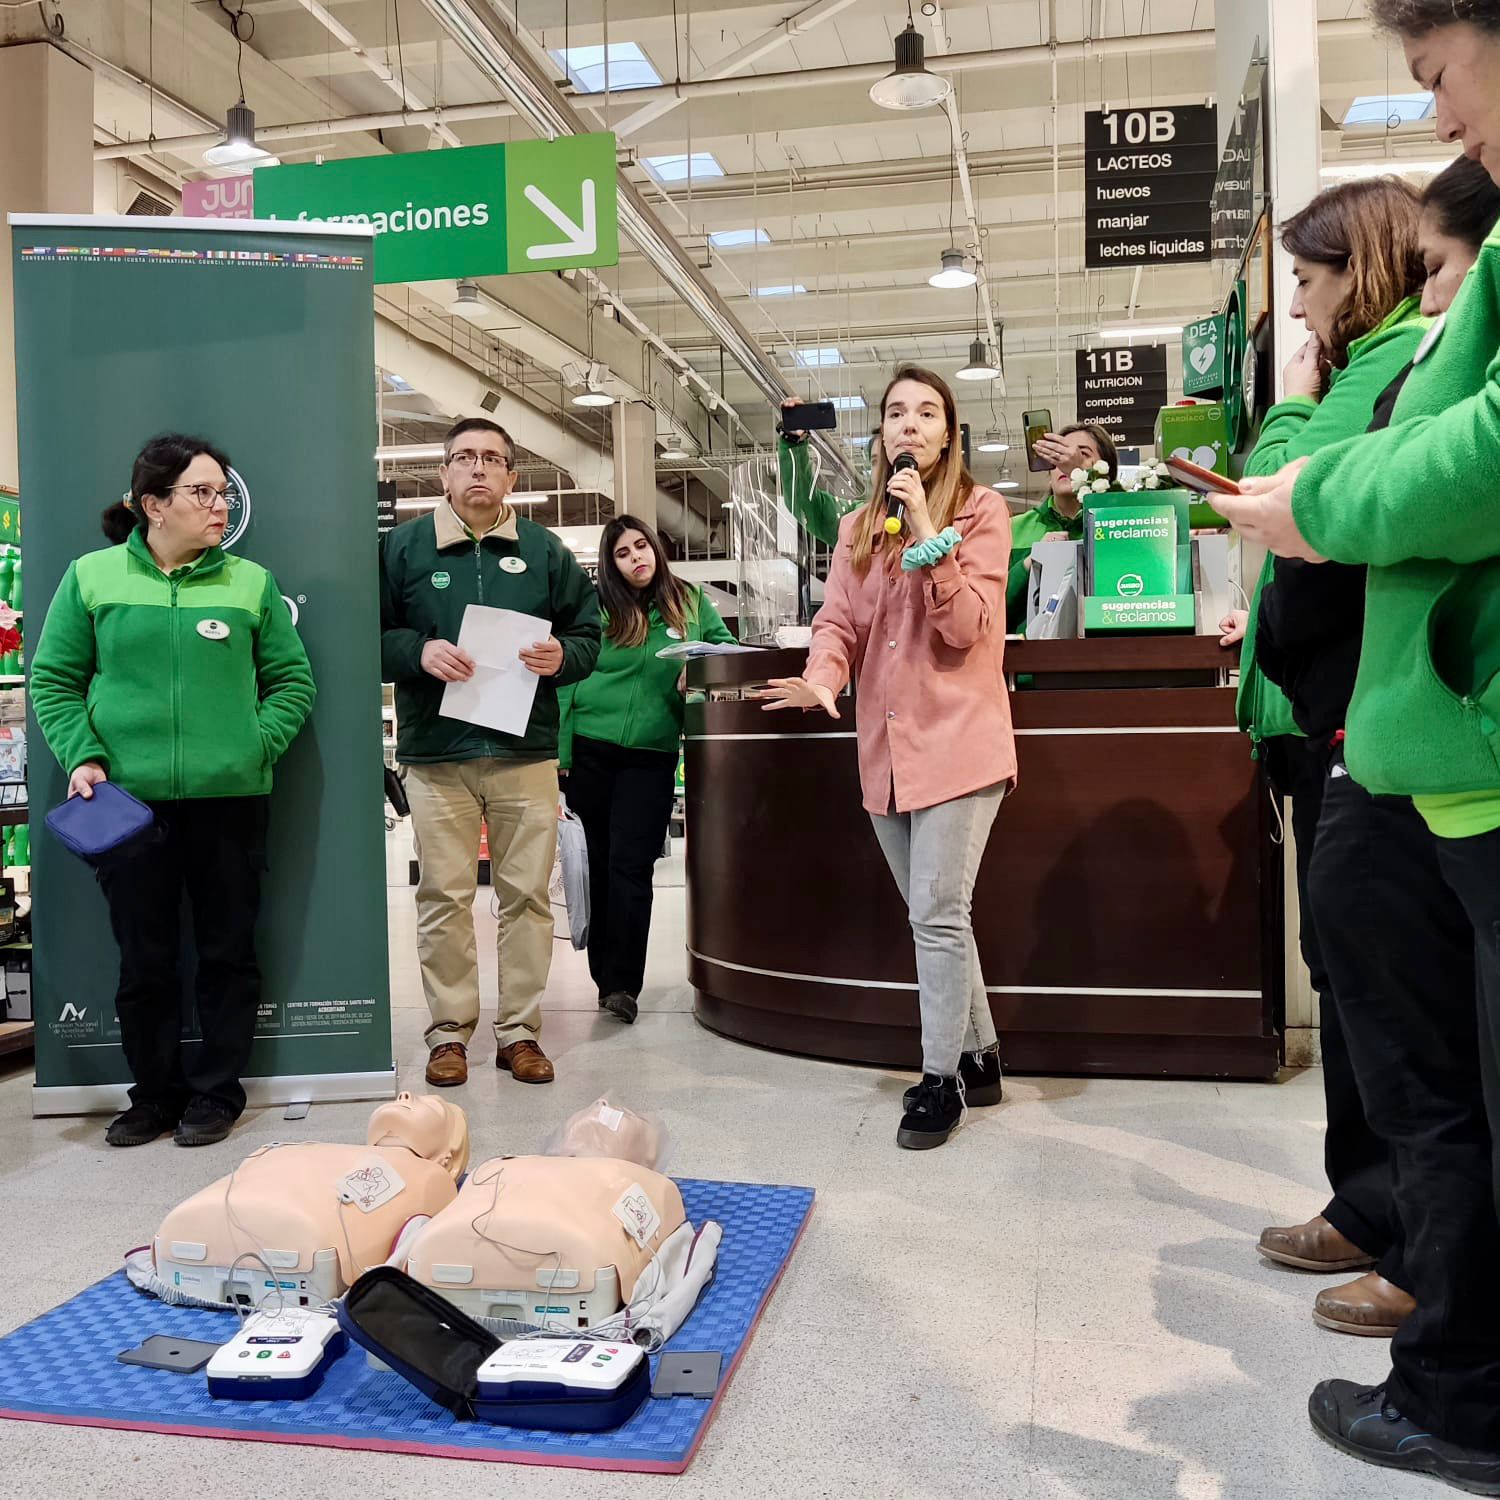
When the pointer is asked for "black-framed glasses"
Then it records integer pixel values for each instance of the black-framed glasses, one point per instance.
(466, 458)
(204, 494)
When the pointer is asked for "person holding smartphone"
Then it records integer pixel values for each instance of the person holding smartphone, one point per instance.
(916, 615)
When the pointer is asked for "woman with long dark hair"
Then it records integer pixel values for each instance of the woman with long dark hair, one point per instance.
(1419, 505)
(916, 614)
(619, 745)
(173, 669)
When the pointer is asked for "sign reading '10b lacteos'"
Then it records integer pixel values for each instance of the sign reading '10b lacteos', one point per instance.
(1148, 181)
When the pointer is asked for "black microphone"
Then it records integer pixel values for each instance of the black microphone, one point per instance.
(895, 507)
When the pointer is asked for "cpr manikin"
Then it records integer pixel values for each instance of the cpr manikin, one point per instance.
(564, 1244)
(301, 1222)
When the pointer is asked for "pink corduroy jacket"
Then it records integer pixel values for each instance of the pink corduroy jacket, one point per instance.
(926, 651)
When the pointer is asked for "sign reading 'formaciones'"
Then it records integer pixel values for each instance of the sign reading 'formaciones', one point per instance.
(1148, 181)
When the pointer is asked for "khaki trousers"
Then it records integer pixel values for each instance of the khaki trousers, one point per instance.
(517, 801)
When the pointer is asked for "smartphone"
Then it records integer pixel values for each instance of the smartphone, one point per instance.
(1037, 424)
(810, 416)
(1195, 477)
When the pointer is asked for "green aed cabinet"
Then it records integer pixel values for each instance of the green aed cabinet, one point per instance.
(1200, 433)
(1138, 565)
(260, 340)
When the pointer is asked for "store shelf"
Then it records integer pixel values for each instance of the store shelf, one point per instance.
(12, 679)
(16, 1036)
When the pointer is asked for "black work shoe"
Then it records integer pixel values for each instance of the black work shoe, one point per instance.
(1360, 1421)
(620, 1004)
(203, 1123)
(138, 1125)
(933, 1115)
(979, 1072)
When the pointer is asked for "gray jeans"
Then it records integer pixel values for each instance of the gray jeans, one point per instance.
(934, 854)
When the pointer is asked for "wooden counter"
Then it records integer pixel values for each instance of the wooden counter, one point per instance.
(1128, 906)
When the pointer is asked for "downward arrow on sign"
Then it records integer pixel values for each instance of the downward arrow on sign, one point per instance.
(582, 239)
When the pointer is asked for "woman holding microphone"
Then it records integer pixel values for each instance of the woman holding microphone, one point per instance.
(914, 612)
(618, 746)
(173, 669)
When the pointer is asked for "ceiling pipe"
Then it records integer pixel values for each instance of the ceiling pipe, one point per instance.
(502, 56)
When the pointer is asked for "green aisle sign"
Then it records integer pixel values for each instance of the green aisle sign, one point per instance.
(472, 211)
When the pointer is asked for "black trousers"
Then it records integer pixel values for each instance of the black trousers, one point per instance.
(624, 800)
(1357, 1161)
(1400, 948)
(213, 852)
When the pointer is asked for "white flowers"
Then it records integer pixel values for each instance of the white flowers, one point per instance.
(1152, 477)
(1101, 467)
(1079, 477)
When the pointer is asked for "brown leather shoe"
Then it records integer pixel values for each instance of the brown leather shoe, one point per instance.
(525, 1062)
(447, 1065)
(1370, 1306)
(1313, 1246)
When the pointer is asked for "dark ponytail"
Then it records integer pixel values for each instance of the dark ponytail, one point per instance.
(1464, 202)
(158, 466)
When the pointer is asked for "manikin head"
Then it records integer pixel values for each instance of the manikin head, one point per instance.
(430, 1127)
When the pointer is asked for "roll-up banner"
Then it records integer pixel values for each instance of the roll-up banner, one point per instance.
(260, 338)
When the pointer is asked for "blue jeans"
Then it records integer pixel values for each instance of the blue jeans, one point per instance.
(934, 854)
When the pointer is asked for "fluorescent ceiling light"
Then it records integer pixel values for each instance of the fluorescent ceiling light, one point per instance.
(993, 442)
(792, 289)
(628, 67)
(1142, 331)
(238, 148)
(816, 358)
(954, 274)
(680, 167)
(910, 86)
(848, 403)
(727, 238)
(530, 497)
(980, 365)
(1348, 169)
(411, 453)
(1386, 109)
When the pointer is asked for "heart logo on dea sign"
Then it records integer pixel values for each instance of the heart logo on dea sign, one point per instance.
(1203, 357)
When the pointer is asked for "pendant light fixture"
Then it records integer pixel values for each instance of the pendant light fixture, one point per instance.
(979, 366)
(910, 85)
(238, 148)
(466, 300)
(954, 274)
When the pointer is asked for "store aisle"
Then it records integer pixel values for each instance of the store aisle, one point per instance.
(1063, 1304)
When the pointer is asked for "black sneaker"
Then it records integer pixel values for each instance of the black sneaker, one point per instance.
(979, 1072)
(932, 1115)
(1360, 1421)
(620, 1004)
(203, 1123)
(137, 1126)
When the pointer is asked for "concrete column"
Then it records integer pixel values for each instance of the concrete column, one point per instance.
(635, 460)
(46, 166)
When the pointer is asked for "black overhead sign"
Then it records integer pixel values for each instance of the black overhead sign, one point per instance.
(1122, 390)
(1148, 182)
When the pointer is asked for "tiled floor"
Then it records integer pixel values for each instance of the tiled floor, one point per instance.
(1062, 1304)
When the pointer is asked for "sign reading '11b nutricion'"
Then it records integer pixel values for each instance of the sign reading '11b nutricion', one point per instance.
(1122, 390)
(1148, 182)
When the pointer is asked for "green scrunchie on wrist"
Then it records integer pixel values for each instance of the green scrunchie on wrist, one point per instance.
(934, 549)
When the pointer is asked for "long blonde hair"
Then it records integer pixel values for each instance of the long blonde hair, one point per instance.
(947, 490)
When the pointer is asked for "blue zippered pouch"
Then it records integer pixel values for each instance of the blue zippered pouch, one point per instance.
(108, 826)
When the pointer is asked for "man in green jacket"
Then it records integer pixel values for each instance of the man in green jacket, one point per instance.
(474, 549)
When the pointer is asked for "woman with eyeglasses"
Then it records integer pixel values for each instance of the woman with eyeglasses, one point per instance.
(173, 669)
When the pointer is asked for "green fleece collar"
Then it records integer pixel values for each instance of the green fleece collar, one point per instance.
(1403, 315)
(210, 560)
(1048, 511)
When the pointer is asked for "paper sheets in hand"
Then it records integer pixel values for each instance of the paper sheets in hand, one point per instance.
(502, 690)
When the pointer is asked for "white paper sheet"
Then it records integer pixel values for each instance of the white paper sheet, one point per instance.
(502, 690)
(691, 650)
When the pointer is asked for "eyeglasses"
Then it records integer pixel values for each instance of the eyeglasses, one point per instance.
(466, 458)
(204, 494)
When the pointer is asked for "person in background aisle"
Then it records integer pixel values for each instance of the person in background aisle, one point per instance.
(1080, 446)
(474, 549)
(166, 617)
(1359, 273)
(1418, 504)
(918, 618)
(621, 733)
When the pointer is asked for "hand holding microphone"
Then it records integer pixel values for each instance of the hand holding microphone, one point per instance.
(906, 501)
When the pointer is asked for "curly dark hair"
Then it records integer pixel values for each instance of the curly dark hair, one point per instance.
(1418, 17)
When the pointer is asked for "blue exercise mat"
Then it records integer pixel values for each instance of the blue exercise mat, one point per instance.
(62, 1366)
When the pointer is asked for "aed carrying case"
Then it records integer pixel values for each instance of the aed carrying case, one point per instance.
(438, 1348)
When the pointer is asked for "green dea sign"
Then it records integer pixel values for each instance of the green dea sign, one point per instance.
(1203, 356)
(472, 211)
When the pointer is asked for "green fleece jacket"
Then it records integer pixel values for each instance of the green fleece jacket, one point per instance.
(181, 685)
(431, 570)
(818, 510)
(632, 698)
(1301, 425)
(1025, 532)
(1420, 503)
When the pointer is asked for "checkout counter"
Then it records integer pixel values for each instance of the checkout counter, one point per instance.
(1128, 911)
